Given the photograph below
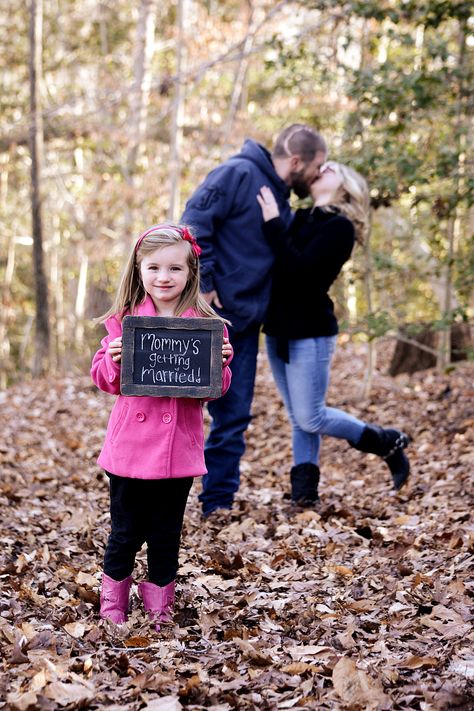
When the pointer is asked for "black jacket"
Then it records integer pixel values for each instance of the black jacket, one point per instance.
(309, 256)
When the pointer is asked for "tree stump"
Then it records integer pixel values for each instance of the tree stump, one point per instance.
(408, 357)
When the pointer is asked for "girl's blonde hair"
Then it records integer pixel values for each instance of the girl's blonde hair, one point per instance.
(131, 291)
(352, 199)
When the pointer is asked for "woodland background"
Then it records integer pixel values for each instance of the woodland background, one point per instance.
(115, 111)
(112, 112)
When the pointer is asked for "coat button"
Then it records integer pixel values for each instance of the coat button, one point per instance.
(140, 416)
(166, 418)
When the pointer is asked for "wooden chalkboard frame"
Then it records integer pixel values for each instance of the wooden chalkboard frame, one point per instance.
(167, 325)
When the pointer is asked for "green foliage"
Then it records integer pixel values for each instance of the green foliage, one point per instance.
(376, 324)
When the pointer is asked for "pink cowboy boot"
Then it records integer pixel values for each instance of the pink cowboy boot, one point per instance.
(158, 602)
(114, 599)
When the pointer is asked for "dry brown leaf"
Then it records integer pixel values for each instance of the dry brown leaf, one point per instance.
(165, 703)
(362, 605)
(75, 629)
(26, 701)
(414, 662)
(341, 570)
(251, 653)
(356, 688)
(69, 693)
(86, 579)
(308, 652)
(296, 668)
(39, 680)
(463, 667)
(137, 641)
(152, 680)
(346, 638)
(18, 655)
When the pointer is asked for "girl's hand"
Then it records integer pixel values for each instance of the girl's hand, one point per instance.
(267, 202)
(226, 351)
(115, 349)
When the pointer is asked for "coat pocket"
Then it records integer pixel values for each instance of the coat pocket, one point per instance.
(117, 422)
(193, 420)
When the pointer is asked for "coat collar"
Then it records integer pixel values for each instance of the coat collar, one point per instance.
(147, 308)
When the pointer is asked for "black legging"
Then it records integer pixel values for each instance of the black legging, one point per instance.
(151, 511)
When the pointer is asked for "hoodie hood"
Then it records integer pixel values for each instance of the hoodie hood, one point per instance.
(261, 157)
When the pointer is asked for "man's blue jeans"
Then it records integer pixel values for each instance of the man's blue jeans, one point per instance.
(303, 384)
(230, 418)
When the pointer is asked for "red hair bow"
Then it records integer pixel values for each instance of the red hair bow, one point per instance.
(189, 238)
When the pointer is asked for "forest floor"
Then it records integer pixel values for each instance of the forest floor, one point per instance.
(365, 602)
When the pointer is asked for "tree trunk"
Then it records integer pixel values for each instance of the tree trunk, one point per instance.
(6, 311)
(56, 279)
(365, 59)
(104, 42)
(42, 336)
(81, 299)
(240, 76)
(139, 102)
(444, 352)
(444, 341)
(371, 345)
(177, 118)
(419, 351)
(6, 315)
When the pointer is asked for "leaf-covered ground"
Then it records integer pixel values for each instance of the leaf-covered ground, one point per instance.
(363, 603)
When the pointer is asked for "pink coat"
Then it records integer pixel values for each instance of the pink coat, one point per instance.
(149, 437)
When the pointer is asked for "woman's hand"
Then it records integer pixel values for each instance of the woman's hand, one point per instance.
(267, 202)
(226, 351)
(115, 349)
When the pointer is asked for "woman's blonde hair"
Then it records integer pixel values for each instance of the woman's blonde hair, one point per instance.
(131, 291)
(352, 199)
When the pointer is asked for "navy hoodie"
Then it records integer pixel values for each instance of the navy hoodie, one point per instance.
(227, 220)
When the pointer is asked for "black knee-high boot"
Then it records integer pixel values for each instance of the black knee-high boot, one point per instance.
(304, 484)
(388, 444)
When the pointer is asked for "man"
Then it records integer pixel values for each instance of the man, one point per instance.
(236, 265)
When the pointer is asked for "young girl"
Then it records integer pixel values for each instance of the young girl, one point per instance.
(301, 326)
(154, 446)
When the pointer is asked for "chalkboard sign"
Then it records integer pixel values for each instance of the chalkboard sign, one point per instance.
(172, 357)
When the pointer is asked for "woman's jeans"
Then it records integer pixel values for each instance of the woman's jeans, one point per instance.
(303, 384)
(151, 511)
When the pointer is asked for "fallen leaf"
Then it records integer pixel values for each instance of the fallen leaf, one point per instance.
(18, 655)
(86, 579)
(308, 652)
(463, 667)
(75, 629)
(69, 693)
(251, 653)
(414, 662)
(356, 688)
(137, 642)
(39, 681)
(341, 570)
(22, 702)
(165, 703)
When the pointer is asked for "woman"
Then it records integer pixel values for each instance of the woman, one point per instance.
(301, 327)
